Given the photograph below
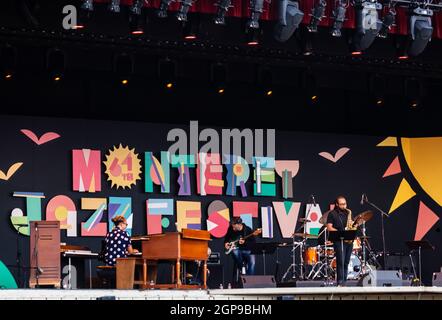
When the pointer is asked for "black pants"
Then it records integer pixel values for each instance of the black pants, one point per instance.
(343, 255)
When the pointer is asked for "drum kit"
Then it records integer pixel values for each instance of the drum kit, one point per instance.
(319, 262)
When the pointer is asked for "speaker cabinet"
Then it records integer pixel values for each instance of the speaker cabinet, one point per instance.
(258, 282)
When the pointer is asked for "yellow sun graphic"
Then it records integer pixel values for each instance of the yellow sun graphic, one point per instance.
(123, 167)
(423, 159)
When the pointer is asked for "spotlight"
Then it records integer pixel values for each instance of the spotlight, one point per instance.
(413, 92)
(114, 6)
(289, 19)
(266, 82)
(316, 16)
(256, 7)
(8, 61)
(136, 20)
(253, 36)
(310, 87)
(86, 9)
(56, 64)
(164, 6)
(184, 9)
(167, 72)
(387, 22)
(339, 17)
(218, 77)
(223, 7)
(367, 24)
(421, 30)
(377, 89)
(123, 67)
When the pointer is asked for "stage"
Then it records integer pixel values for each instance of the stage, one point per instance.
(319, 293)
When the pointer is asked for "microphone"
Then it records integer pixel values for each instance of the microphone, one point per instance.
(362, 199)
(313, 199)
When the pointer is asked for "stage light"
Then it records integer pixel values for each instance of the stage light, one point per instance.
(421, 30)
(223, 7)
(413, 92)
(123, 67)
(8, 61)
(316, 16)
(114, 6)
(164, 6)
(184, 9)
(136, 19)
(218, 77)
(252, 36)
(256, 7)
(377, 89)
(191, 27)
(403, 57)
(56, 64)
(167, 72)
(288, 21)
(367, 24)
(356, 53)
(8, 76)
(265, 82)
(339, 18)
(85, 12)
(387, 22)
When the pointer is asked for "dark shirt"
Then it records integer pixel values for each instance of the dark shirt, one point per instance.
(117, 242)
(232, 235)
(338, 219)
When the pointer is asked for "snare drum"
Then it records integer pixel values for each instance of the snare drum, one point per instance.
(310, 256)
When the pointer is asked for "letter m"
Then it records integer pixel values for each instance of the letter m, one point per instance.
(86, 173)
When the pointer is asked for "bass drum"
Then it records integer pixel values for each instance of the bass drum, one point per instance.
(354, 267)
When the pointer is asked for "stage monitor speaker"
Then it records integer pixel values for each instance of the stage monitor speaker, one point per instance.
(382, 278)
(258, 282)
(437, 279)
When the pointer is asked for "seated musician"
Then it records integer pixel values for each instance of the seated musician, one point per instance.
(242, 253)
(118, 243)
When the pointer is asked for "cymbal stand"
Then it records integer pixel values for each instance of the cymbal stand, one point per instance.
(292, 267)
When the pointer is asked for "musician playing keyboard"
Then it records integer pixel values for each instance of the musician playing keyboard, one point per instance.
(242, 253)
(118, 243)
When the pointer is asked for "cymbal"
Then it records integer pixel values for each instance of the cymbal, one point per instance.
(364, 237)
(304, 220)
(323, 219)
(305, 235)
(364, 217)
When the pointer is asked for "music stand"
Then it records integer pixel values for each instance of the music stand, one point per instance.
(263, 248)
(341, 236)
(419, 245)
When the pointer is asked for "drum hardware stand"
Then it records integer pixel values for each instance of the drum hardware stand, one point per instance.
(293, 265)
(365, 200)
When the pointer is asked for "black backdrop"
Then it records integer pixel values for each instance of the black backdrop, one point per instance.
(48, 169)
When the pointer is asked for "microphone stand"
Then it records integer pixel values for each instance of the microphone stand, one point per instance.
(365, 200)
